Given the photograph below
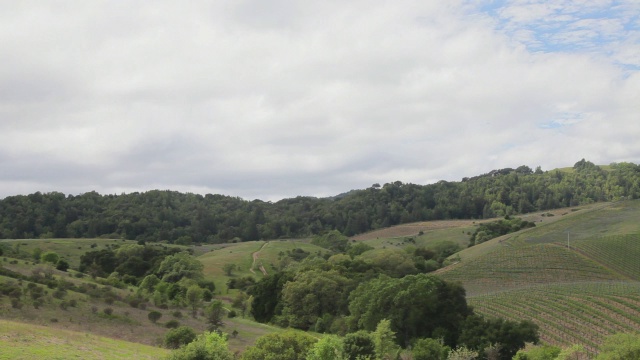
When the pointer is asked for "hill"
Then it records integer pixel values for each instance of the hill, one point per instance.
(190, 218)
(24, 341)
(577, 276)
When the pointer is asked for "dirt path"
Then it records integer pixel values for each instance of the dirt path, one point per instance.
(255, 258)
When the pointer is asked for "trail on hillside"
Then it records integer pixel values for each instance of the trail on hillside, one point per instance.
(255, 258)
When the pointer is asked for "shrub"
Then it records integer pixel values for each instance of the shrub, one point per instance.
(177, 314)
(180, 336)
(206, 346)
(172, 324)
(154, 316)
(107, 311)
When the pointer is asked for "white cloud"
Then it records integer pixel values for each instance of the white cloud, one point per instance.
(273, 99)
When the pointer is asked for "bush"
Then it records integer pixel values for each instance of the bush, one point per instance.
(154, 316)
(177, 314)
(172, 324)
(108, 311)
(62, 265)
(178, 337)
(207, 346)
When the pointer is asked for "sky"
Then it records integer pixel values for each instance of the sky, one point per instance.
(276, 99)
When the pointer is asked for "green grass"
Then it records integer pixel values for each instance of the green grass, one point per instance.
(241, 254)
(26, 341)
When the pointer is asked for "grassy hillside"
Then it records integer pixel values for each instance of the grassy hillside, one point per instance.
(249, 256)
(576, 274)
(24, 341)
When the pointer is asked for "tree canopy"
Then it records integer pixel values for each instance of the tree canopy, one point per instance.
(190, 218)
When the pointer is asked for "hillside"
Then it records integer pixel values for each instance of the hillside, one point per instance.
(23, 341)
(191, 218)
(577, 276)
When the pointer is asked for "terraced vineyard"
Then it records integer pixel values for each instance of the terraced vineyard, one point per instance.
(523, 266)
(582, 313)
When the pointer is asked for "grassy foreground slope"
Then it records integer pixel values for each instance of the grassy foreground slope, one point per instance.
(25, 341)
(578, 276)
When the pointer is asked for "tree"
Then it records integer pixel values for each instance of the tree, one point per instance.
(178, 266)
(178, 337)
(214, 313)
(332, 240)
(406, 302)
(229, 268)
(329, 347)
(154, 316)
(194, 298)
(384, 341)
(288, 345)
(359, 346)
(267, 296)
(538, 352)
(207, 346)
(430, 349)
(62, 265)
(312, 294)
(480, 333)
(50, 257)
(240, 302)
(462, 353)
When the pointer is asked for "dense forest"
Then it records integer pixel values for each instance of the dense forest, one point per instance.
(190, 218)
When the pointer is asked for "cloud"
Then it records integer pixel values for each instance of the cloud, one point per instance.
(283, 98)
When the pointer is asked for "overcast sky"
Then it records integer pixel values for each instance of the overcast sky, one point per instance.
(279, 98)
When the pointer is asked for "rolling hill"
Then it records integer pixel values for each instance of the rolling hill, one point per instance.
(577, 276)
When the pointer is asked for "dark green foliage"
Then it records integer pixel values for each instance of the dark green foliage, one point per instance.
(243, 283)
(358, 249)
(267, 294)
(429, 349)
(166, 215)
(172, 324)
(407, 302)
(487, 231)
(180, 336)
(359, 345)
(288, 345)
(154, 316)
(62, 265)
(50, 257)
(478, 333)
(332, 240)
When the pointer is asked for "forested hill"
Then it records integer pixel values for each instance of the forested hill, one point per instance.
(185, 218)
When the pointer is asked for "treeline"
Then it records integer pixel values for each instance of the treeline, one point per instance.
(191, 218)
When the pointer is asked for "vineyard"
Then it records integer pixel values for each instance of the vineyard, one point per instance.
(523, 266)
(577, 276)
(582, 313)
(613, 252)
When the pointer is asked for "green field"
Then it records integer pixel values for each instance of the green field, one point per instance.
(25, 341)
(268, 254)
